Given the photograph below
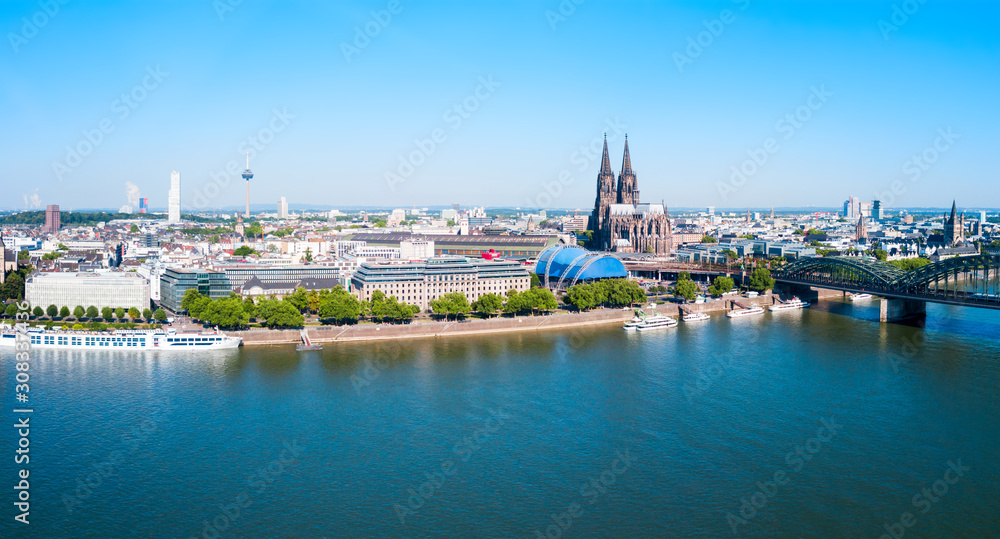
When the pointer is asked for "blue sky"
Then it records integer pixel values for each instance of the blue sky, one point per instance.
(534, 82)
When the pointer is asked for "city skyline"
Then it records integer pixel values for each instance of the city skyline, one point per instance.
(467, 107)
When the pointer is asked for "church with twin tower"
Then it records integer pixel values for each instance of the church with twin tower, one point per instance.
(619, 221)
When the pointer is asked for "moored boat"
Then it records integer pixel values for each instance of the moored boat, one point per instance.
(120, 339)
(860, 297)
(694, 317)
(657, 321)
(794, 303)
(745, 312)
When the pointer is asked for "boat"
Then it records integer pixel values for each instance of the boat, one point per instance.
(794, 303)
(121, 339)
(694, 317)
(634, 322)
(859, 297)
(307, 343)
(745, 312)
(657, 321)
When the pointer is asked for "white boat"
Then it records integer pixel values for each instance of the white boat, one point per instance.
(694, 317)
(657, 321)
(121, 339)
(859, 297)
(745, 312)
(794, 303)
(632, 324)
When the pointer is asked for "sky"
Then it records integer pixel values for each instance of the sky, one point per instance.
(402, 103)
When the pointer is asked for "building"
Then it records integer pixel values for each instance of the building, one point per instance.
(416, 249)
(954, 227)
(175, 282)
(282, 208)
(861, 229)
(53, 218)
(420, 283)
(143, 205)
(619, 221)
(111, 289)
(174, 198)
(248, 175)
(563, 266)
(451, 244)
(396, 217)
(238, 275)
(851, 208)
(878, 212)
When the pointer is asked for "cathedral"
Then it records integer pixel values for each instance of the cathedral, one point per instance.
(620, 222)
(954, 227)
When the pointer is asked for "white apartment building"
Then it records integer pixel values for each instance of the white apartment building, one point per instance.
(282, 208)
(174, 198)
(416, 249)
(111, 289)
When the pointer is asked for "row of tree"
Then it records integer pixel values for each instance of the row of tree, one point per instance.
(608, 293)
(92, 313)
(533, 300)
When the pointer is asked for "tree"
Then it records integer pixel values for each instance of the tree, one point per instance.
(107, 313)
(37, 311)
(64, 312)
(880, 254)
(815, 232)
(451, 222)
(52, 311)
(13, 287)
(196, 309)
(11, 310)
(516, 302)
(535, 281)
(134, 229)
(243, 250)
(730, 255)
(226, 312)
(686, 289)
(620, 292)
(683, 276)
(760, 279)
(147, 313)
(721, 285)
(285, 314)
(397, 310)
(541, 299)
(708, 239)
(312, 300)
(120, 313)
(308, 256)
(299, 299)
(583, 297)
(190, 296)
(340, 306)
(133, 313)
(488, 304)
(250, 307)
(78, 312)
(798, 232)
(909, 264)
(23, 255)
(451, 303)
(160, 315)
(92, 312)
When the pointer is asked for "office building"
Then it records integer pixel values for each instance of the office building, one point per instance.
(851, 209)
(143, 205)
(420, 283)
(238, 275)
(282, 208)
(416, 249)
(450, 244)
(175, 282)
(52, 218)
(877, 210)
(112, 289)
(174, 198)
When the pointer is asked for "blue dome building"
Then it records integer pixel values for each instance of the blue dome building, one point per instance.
(562, 266)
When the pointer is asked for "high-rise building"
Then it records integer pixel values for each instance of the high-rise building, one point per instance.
(877, 211)
(852, 208)
(282, 208)
(52, 218)
(174, 198)
(143, 205)
(248, 175)
(982, 216)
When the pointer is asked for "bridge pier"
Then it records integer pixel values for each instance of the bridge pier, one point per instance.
(898, 310)
(805, 293)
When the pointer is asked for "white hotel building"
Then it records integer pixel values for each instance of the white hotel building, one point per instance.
(109, 289)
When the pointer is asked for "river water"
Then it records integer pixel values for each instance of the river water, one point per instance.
(814, 423)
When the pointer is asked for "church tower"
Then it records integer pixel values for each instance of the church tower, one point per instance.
(628, 189)
(605, 194)
(954, 226)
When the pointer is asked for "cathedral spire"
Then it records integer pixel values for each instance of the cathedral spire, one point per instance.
(605, 160)
(626, 161)
(953, 210)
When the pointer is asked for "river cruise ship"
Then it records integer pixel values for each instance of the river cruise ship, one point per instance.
(745, 312)
(794, 303)
(122, 339)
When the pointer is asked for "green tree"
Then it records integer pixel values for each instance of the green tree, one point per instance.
(11, 310)
(160, 315)
(880, 254)
(488, 304)
(133, 313)
(620, 292)
(299, 299)
(23, 255)
(516, 302)
(13, 286)
(37, 311)
(683, 276)
(686, 289)
(535, 281)
(243, 250)
(134, 229)
(226, 313)
(909, 264)
(64, 312)
(340, 306)
(253, 230)
(708, 239)
(92, 312)
(583, 297)
(120, 313)
(452, 303)
(541, 299)
(250, 307)
(52, 311)
(450, 222)
(309, 255)
(147, 314)
(285, 315)
(721, 285)
(398, 311)
(190, 296)
(196, 309)
(78, 312)
(814, 232)
(760, 280)
(798, 232)
(730, 254)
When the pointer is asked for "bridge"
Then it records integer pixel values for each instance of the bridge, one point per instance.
(971, 281)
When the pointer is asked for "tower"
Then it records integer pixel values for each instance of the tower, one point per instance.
(954, 226)
(247, 175)
(605, 194)
(628, 189)
(174, 198)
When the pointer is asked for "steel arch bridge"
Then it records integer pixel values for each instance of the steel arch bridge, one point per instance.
(968, 280)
